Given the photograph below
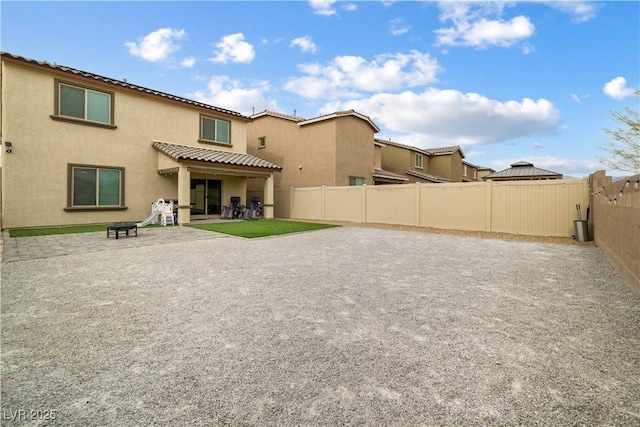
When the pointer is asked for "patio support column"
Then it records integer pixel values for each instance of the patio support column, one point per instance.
(267, 206)
(184, 195)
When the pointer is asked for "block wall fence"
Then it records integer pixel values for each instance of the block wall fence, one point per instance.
(615, 223)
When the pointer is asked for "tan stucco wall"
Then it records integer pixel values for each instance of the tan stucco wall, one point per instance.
(35, 174)
(446, 166)
(315, 151)
(354, 150)
(398, 160)
(291, 146)
(377, 156)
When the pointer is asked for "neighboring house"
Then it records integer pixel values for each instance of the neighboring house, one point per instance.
(473, 173)
(336, 149)
(434, 165)
(91, 149)
(522, 171)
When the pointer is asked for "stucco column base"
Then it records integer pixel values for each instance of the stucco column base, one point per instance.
(184, 195)
(267, 205)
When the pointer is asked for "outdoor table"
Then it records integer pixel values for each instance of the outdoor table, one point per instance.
(117, 227)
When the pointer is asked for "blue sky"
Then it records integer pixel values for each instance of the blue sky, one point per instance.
(507, 81)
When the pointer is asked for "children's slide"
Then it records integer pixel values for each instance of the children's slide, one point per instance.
(161, 212)
(151, 219)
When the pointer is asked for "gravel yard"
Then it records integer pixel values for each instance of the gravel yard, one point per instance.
(344, 326)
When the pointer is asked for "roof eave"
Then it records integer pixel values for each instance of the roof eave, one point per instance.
(120, 84)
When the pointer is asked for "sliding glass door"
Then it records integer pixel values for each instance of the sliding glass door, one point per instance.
(205, 197)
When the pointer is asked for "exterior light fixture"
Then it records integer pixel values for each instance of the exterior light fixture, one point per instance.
(9, 146)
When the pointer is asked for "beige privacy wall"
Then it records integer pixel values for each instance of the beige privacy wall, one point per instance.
(616, 223)
(538, 208)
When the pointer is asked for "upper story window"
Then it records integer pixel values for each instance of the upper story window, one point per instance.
(215, 130)
(475, 174)
(83, 105)
(464, 170)
(262, 142)
(419, 160)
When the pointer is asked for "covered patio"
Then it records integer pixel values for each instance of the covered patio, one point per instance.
(208, 178)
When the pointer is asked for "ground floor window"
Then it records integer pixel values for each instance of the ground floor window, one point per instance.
(356, 180)
(95, 186)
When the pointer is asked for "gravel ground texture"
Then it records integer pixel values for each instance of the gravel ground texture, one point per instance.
(343, 326)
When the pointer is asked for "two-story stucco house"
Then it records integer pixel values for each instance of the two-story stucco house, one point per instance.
(474, 173)
(80, 148)
(336, 149)
(434, 165)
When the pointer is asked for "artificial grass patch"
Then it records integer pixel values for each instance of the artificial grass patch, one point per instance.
(44, 231)
(261, 228)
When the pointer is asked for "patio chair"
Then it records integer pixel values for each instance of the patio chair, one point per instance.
(254, 210)
(227, 212)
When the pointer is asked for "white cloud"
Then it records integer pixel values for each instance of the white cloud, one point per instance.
(472, 28)
(582, 11)
(448, 117)
(230, 94)
(350, 7)
(233, 48)
(484, 33)
(328, 7)
(617, 88)
(157, 45)
(323, 7)
(188, 62)
(476, 153)
(305, 44)
(346, 76)
(398, 27)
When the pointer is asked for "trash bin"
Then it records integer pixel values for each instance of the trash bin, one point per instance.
(582, 230)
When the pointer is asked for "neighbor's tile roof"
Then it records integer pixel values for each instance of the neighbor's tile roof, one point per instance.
(383, 174)
(521, 170)
(120, 83)
(397, 144)
(341, 114)
(426, 176)
(438, 151)
(186, 152)
(280, 115)
(444, 150)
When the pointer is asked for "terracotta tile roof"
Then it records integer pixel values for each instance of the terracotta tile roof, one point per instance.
(341, 114)
(186, 152)
(120, 83)
(426, 176)
(383, 174)
(276, 114)
(397, 144)
(479, 168)
(445, 150)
